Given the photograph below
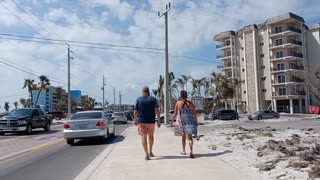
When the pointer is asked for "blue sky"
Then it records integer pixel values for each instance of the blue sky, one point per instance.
(192, 25)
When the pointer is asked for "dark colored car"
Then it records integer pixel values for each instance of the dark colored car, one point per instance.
(226, 115)
(56, 115)
(129, 115)
(24, 120)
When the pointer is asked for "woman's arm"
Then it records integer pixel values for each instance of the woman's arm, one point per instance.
(175, 113)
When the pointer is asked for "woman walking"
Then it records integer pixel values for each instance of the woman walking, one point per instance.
(186, 121)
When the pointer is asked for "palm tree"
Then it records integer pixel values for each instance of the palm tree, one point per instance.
(23, 102)
(186, 79)
(155, 92)
(181, 83)
(29, 103)
(195, 86)
(90, 103)
(28, 83)
(6, 106)
(16, 104)
(206, 87)
(44, 83)
(160, 92)
(224, 88)
(61, 103)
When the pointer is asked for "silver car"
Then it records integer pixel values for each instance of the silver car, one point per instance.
(119, 117)
(264, 115)
(88, 124)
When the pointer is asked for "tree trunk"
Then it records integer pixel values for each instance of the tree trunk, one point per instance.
(38, 97)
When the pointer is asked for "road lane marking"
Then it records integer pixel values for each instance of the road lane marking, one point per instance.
(29, 151)
(11, 139)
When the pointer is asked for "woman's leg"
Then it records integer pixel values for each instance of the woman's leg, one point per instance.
(190, 144)
(183, 144)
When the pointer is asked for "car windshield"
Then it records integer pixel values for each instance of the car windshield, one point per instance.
(21, 112)
(258, 112)
(90, 115)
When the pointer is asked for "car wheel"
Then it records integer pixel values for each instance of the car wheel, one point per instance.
(70, 141)
(233, 118)
(276, 117)
(28, 129)
(113, 134)
(259, 118)
(47, 128)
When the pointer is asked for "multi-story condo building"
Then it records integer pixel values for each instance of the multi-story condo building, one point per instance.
(269, 61)
(49, 97)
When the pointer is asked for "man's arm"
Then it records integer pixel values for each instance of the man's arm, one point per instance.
(135, 119)
(157, 110)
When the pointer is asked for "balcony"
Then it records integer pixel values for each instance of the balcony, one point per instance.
(291, 56)
(291, 43)
(224, 56)
(289, 31)
(291, 93)
(224, 67)
(294, 67)
(224, 46)
(292, 80)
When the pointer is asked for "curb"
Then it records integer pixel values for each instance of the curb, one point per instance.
(87, 172)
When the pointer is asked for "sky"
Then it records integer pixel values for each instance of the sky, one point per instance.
(192, 26)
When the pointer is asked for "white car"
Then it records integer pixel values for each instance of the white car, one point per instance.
(119, 117)
(171, 112)
(88, 124)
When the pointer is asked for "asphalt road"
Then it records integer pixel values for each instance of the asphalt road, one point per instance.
(54, 160)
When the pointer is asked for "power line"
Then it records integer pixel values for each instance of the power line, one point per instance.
(1, 97)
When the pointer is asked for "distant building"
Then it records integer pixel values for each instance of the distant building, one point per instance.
(49, 97)
(75, 95)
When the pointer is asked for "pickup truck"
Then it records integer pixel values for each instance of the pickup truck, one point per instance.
(24, 120)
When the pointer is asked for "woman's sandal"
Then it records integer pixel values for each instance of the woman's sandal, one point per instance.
(183, 153)
(191, 156)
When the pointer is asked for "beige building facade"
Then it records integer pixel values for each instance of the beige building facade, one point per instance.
(269, 60)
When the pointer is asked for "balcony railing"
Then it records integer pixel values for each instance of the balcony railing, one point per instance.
(296, 67)
(223, 55)
(291, 93)
(297, 30)
(293, 41)
(222, 45)
(293, 79)
(223, 66)
(295, 54)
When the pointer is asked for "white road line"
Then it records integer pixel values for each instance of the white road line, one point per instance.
(90, 169)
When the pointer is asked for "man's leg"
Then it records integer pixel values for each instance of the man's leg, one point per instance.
(151, 140)
(145, 145)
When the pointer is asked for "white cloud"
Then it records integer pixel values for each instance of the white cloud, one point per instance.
(61, 14)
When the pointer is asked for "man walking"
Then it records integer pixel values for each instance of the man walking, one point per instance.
(144, 117)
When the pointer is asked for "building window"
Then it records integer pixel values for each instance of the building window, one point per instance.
(245, 92)
(279, 42)
(263, 67)
(261, 55)
(279, 54)
(278, 29)
(280, 66)
(282, 91)
(261, 44)
(242, 48)
(241, 37)
(242, 59)
(281, 79)
(263, 78)
(229, 74)
(243, 70)
(264, 90)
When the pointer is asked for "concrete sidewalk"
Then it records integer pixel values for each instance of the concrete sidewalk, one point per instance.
(126, 161)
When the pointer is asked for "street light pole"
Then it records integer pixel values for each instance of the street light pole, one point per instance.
(166, 63)
(103, 84)
(69, 91)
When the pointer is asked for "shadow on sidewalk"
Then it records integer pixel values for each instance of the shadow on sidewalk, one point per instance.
(195, 155)
(94, 142)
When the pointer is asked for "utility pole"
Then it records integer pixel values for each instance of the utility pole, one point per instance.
(120, 100)
(103, 84)
(166, 62)
(114, 97)
(69, 91)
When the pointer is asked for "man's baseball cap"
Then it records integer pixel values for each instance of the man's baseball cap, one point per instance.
(145, 89)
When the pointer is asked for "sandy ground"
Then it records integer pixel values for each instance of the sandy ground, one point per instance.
(242, 146)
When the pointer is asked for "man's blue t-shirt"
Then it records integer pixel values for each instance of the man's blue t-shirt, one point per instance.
(146, 107)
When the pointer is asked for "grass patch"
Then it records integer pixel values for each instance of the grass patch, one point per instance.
(266, 134)
(245, 136)
(212, 147)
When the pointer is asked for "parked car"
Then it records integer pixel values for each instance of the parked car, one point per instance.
(207, 116)
(171, 112)
(24, 120)
(129, 115)
(264, 115)
(56, 115)
(88, 124)
(119, 117)
(110, 111)
(226, 115)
